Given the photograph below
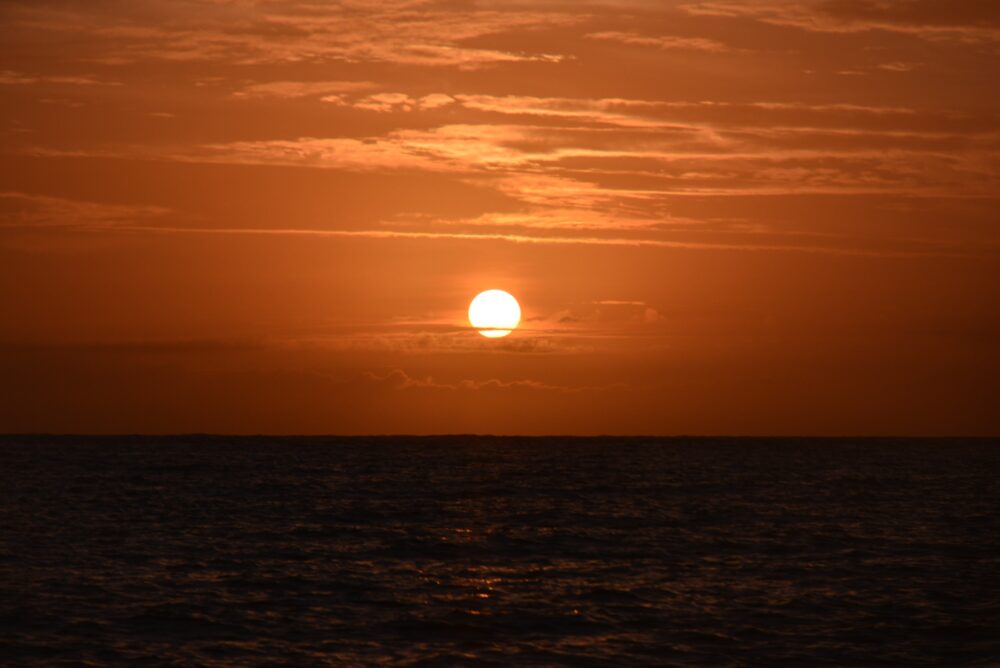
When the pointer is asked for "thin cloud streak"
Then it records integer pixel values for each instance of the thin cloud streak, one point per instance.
(909, 18)
(29, 211)
(665, 42)
(528, 239)
(11, 78)
(294, 89)
(402, 381)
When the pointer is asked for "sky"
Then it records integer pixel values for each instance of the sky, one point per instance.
(719, 217)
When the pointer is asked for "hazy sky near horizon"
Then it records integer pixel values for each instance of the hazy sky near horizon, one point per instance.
(764, 217)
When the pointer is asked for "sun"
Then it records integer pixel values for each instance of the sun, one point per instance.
(494, 313)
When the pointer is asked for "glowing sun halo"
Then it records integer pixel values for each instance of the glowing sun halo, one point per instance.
(494, 313)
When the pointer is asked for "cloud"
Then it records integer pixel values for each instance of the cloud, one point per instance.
(387, 102)
(589, 111)
(28, 211)
(399, 380)
(442, 336)
(415, 34)
(11, 78)
(704, 120)
(664, 42)
(393, 102)
(969, 21)
(898, 67)
(435, 101)
(962, 13)
(144, 347)
(628, 312)
(602, 159)
(451, 148)
(919, 249)
(293, 89)
(689, 159)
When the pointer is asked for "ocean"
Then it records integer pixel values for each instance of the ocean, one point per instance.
(493, 551)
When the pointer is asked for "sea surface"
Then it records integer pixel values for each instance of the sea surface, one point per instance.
(482, 551)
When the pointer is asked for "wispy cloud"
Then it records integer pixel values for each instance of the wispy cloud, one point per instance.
(386, 102)
(665, 42)
(898, 67)
(11, 78)
(628, 311)
(399, 380)
(963, 21)
(422, 34)
(293, 89)
(29, 211)
(663, 149)
(922, 250)
(689, 159)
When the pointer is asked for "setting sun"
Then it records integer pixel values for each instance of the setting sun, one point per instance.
(494, 313)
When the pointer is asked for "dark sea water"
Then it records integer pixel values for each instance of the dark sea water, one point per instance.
(474, 551)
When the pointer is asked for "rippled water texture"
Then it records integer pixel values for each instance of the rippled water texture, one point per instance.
(490, 551)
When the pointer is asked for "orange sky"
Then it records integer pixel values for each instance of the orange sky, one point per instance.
(720, 217)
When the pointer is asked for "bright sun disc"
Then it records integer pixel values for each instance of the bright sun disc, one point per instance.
(494, 313)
